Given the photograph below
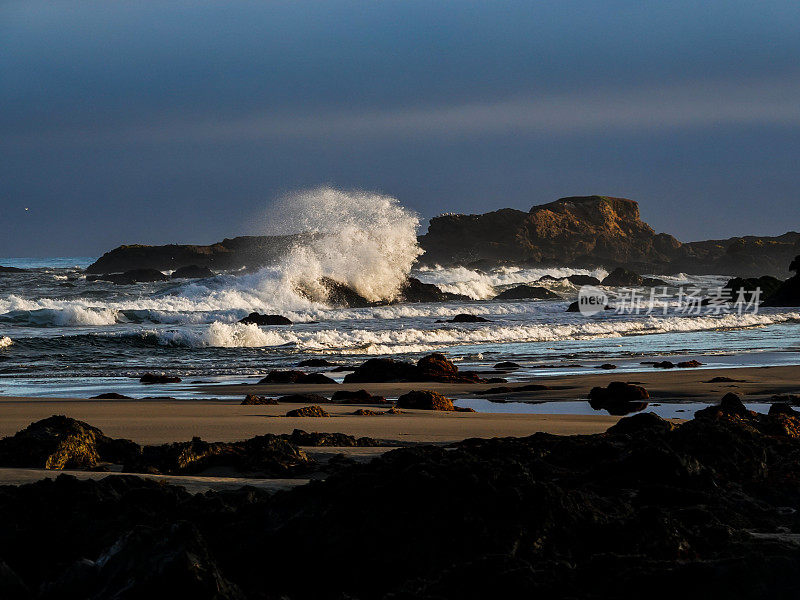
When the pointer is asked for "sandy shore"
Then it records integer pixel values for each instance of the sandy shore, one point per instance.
(159, 421)
(755, 383)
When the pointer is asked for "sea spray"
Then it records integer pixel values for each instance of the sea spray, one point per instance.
(365, 240)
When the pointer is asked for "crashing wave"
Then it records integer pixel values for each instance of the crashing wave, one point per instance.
(5, 341)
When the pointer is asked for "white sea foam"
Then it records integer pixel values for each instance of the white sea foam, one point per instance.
(5, 341)
(389, 341)
(480, 285)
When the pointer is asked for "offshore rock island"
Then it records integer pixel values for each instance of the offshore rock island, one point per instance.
(578, 232)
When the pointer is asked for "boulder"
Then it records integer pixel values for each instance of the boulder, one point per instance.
(465, 318)
(59, 442)
(253, 400)
(507, 365)
(255, 318)
(308, 411)
(580, 280)
(606, 366)
(151, 378)
(689, 364)
(413, 290)
(303, 438)
(782, 408)
(338, 294)
(357, 397)
(111, 396)
(619, 398)
(620, 277)
(642, 423)
(731, 405)
(315, 362)
(527, 292)
(261, 456)
(192, 272)
(425, 400)
(433, 367)
(131, 277)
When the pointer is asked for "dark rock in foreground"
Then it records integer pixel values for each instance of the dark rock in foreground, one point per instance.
(192, 272)
(706, 509)
(788, 293)
(415, 291)
(527, 292)
(255, 318)
(433, 367)
(304, 438)
(748, 285)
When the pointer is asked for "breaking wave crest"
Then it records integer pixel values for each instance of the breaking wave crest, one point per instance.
(5, 341)
(393, 341)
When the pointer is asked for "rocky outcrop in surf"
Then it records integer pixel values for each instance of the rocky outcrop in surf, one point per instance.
(787, 293)
(592, 231)
(433, 367)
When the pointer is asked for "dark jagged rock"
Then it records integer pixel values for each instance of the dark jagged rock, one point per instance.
(507, 365)
(433, 367)
(11, 586)
(357, 397)
(746, 286)
(788, 292)
(641, 423)
(428, 400)
(465, 318)
(260, 456)
(255, 318)
(366, 412)
(527, 292)
(315, 362)
(781, 408)
(192, 272)
(705, 509)
(296, 377)
(304, 438)
(60, 442)
(172, 561)
(341, 295)
(111, 396)
(253, 400)
(606, 366)
(689, 364)
(580, 280)
(619, 398)
(308, 411)
(663, 364)
(622, 277)
(131, 277)
(303, 399)
(150, 378)
(414, 290)
(12, 270)
(229, 254)
(793, 399)
(731, 405)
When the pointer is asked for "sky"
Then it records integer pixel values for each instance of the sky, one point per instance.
(152, 122)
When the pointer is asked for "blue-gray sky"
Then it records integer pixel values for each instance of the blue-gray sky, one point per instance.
(156, 122)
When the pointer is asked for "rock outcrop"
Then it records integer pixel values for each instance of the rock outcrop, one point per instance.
(433, 367)
(705, 509)
(255, 318)
(308, 411)
(192, 272)
(788, 292)
(619, 398)
(131, 277)
(623, 277)
(527, 292)
(357, 397)
(296, 377)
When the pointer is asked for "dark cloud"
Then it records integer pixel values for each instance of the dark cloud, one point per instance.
(147, 122)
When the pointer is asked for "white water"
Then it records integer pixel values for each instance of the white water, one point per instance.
(5, 341)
